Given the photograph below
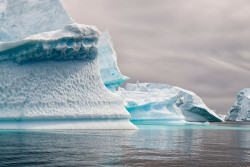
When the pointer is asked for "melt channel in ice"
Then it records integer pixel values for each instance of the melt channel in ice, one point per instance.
(240, 111)
(151, 101)
(49, 74)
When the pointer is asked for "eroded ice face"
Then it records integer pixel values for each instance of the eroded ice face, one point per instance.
(110, 73)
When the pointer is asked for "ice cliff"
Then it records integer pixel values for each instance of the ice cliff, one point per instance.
(49, 74)
(150, 101)
(110, 73)
(240, 111)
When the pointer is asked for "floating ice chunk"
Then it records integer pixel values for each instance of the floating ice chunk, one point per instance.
(161, 101)
(240, 111)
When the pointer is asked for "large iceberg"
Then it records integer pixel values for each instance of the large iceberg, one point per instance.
(240, 111)
(49, 74)
(150, 101)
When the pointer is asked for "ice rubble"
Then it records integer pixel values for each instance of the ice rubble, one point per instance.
(150, 101)
(49, 71)
(240, 111)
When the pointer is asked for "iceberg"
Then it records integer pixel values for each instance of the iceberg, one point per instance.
(49, 72)
(151, 101)
(240, 111)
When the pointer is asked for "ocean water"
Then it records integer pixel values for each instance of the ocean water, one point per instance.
(154, 144)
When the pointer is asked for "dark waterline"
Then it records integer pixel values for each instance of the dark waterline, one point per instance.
(155, 144)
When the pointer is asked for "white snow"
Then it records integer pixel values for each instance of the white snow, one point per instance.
(22, 18)
(240, 111)
(162, 101)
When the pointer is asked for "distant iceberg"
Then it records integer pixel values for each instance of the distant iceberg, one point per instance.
(240, 111)
(49, 74)
(150, 101)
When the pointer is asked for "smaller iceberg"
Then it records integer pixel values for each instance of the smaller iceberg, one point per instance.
(151, 101)
(241, 108)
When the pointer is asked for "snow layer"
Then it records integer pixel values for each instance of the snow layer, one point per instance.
(240, 111)
(161, 101)
(74, 41)
(110, 73)
(22, 18)
(49, 75)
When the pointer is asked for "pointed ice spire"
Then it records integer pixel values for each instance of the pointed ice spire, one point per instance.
(137, 83)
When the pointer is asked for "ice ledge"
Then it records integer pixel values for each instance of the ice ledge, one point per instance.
(68, 124)
(73, 42)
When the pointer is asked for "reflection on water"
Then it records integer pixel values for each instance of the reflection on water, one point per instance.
(155, 144)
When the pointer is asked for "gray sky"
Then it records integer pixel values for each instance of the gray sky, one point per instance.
(199, 45)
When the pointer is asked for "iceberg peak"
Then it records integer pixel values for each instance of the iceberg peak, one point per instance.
(22, 18)
(240, 111)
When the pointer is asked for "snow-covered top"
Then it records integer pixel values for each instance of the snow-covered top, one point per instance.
(22, 18)
(73, 42)
(144, 93)
(245, 92)
(35, 30)
(153, 92)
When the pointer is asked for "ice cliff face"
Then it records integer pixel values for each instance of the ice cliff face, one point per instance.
(110, 73)
(161, 101)
(240, 111)
(49, 74)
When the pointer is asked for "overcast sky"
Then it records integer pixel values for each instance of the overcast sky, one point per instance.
(199, 45)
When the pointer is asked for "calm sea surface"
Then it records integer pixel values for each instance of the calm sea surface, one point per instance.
(155, 144)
